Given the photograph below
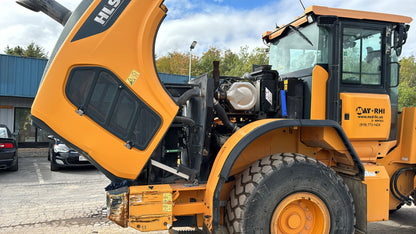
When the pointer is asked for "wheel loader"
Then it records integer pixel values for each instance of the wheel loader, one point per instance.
(312, 142)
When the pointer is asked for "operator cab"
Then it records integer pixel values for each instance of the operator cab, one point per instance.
(358, 52)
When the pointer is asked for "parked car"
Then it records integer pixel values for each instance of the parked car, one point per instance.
(61, 155)
(8, 149)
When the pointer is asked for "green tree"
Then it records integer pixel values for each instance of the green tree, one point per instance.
(204, 64)
(231, 64)
(18, 51)
(407, 86)
(32, 51)
(257, 56)
(174, 63)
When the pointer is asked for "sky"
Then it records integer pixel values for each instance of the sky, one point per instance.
(224, 24)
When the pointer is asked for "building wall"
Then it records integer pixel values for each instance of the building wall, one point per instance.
(7, 109)
(19, 81)
(20, 77)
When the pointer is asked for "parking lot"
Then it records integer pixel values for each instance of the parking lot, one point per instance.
(36, 200)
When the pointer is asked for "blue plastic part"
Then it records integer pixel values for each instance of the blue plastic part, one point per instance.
(283, 98)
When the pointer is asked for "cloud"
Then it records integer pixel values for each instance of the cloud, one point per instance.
(212, 23)
(179, 8)
(20, 26)
(224, 28)
(231, 28)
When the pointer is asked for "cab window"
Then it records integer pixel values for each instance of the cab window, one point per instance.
(123, 113)
(102, 97)
(361, 56)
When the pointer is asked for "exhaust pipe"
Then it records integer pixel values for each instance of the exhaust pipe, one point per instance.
(50, 7)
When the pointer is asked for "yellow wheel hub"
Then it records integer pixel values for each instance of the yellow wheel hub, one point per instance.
(301, 213)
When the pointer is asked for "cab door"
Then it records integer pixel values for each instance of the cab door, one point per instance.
(364, 86)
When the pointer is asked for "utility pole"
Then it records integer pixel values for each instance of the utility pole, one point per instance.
(190, 57)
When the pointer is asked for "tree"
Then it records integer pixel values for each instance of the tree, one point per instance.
(231, 64)
(258, 56)
(32, 51)
(174, 63)
(18, 51)
(204, 64)
(407, 86)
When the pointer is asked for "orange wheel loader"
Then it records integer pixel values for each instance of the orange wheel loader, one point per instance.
(311, 143)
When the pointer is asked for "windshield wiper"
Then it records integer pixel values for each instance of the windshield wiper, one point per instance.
(300, 33)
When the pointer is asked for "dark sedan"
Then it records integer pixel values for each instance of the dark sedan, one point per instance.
(8, 149)
(61, 155)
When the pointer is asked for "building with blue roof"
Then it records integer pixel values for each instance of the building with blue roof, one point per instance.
(19, 81)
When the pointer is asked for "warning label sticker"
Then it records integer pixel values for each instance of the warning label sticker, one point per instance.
(134, 75)
(167, 208)
(167, 197)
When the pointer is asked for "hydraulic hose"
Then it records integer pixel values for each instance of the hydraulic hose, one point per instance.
(394, 188)
(223, 117)
(185, 120)
(188, 95)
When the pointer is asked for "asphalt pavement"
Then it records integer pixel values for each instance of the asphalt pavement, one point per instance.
(37, 200)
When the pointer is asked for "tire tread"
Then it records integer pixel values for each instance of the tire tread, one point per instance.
(248, 180)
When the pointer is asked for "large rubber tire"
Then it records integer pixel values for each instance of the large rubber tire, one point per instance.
(275, 194)
(15, 167)
(49, 154)
(54, 166)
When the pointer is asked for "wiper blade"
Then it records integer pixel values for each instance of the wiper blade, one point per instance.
(300, 34)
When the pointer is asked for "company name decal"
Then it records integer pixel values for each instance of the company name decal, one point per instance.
(102, 18)
(373, 116)
(360, 110)
(107, 11)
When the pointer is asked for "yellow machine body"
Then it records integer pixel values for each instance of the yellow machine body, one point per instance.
(366, 116)
(402, 155)
(377, 181)
(152, 208)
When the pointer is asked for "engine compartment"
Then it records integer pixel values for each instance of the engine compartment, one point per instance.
(211, 110)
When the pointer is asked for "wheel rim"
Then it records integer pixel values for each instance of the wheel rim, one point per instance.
(301, 213)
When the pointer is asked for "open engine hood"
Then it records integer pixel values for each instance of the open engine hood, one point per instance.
(100, 92)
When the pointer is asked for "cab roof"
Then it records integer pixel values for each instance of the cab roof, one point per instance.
(341, 13)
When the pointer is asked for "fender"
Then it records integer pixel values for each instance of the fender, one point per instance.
(239, 141)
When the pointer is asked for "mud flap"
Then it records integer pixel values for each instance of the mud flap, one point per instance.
(118, 206)
(358, 191)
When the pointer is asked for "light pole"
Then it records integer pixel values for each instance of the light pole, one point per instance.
(190, 57)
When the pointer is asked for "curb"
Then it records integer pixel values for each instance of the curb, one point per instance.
(32, 152)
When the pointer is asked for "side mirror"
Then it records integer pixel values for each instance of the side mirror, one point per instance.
(51, 137)
(16, 133)
(400, 37)
(394, 74)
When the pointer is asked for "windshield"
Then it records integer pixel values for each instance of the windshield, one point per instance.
(293, 53)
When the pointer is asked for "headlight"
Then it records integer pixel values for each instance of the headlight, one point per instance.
(60, 148)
